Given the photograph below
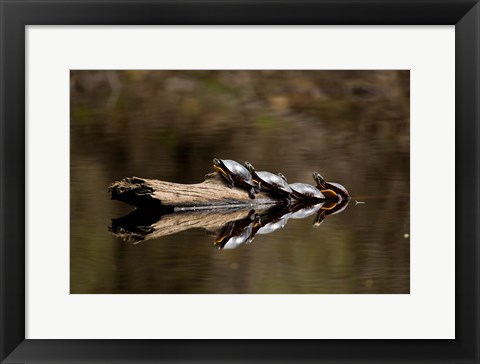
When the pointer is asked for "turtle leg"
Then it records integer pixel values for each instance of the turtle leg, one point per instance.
(230, 181)
(251, 192)
(258, 188)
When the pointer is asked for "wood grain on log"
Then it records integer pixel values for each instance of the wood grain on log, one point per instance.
(211, 193)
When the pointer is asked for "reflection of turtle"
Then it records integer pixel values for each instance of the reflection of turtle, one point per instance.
(302, 210)
(273, 226)
(270, 182)
(329, 205)
(303, 191)
(237, 232)
(274, 220)
(319, 218)
(330, 208)
(236, 174)
(331, 190)
(339, 207)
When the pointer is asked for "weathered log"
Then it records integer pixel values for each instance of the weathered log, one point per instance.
(211, 193)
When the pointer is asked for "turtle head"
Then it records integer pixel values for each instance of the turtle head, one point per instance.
(319, 180)
(219, 166)
(217, 162)
(282, 177)
(249, 166)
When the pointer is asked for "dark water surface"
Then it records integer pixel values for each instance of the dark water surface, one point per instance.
(352, 126)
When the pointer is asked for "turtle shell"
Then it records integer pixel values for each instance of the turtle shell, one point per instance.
(272, 182)
(236, 169)
(302, 191)
(238, 172)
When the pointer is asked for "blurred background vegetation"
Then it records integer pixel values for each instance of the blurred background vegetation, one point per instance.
(352, 126)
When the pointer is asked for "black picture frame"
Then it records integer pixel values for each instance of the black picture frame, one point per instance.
(16, 14)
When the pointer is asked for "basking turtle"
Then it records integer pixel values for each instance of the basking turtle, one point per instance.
(236, 174)
(272, 183)
(303, 191)
(331, 190)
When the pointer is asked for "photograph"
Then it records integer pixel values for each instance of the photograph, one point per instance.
(240, 181)
(256, 181)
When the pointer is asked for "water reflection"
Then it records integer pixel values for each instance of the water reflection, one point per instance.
(232, 228)
(239, 232)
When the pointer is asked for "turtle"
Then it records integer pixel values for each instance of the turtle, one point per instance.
(331, 190)
(236, 174)
(271, 182)
(304, 191)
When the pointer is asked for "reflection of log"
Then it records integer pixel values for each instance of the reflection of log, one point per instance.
(138, 226)
(143, 224)
(211, 193)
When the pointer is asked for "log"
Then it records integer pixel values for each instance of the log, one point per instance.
(212, 193)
